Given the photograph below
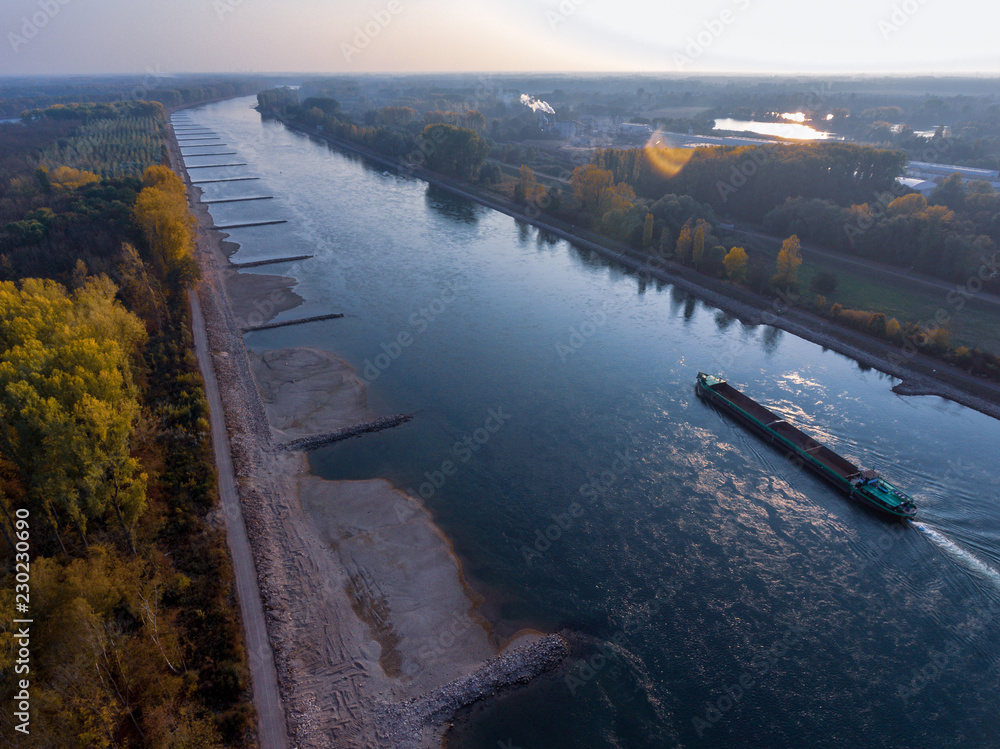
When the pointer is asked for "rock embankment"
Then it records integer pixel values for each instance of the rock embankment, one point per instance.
(407, 725)
(319, 440)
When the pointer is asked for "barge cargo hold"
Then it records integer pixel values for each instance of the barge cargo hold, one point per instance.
(866, 486)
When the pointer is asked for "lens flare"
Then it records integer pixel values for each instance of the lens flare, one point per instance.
(667, 161)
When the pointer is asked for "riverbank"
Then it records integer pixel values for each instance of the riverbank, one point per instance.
(919, 374)
(376, 637)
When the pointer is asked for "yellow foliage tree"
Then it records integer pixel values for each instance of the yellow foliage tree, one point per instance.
(589, 182)
(789, 260)
(698, 248)
(685, 242)
(161, 211)
(620, 197)
(525, 189)
(67, 178)
(68, 402)
(736, 263)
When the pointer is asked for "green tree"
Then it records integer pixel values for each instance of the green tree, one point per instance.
(787, 267)
(824, 282)
(452, 150)
(647, 231)
(736, 263)
(666, 241)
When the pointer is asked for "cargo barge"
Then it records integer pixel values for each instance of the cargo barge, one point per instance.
(864, 485)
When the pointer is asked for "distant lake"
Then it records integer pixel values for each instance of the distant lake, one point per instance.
(775, 129)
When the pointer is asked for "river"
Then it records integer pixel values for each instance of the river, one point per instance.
(714, 594)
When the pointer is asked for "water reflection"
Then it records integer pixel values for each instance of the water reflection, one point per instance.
(449, 205)
(770, 340)
(776, 129)
(690, 307)
(723, 321)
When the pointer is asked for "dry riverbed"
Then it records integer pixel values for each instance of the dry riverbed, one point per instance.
(377, 638)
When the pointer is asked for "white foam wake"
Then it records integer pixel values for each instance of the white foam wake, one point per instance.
(956, 551)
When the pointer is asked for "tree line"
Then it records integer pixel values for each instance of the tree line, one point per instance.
(104, 440)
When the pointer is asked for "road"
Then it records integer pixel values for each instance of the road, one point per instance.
(271, 727)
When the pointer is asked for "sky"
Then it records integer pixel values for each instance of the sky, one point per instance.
(164, 37)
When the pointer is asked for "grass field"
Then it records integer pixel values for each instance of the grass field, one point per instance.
(977, 325)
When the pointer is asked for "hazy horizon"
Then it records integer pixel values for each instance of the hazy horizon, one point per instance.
(726, 37)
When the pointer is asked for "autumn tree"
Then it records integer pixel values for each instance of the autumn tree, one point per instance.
(685, 242)
(698, 247)
(736, 263)
(161, 211)
(619, 197)
(589, 182)
(68, 402)
(787, 267)
(524, 191)
(396, 116)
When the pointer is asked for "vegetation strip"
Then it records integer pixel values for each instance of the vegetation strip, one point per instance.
(104, 441)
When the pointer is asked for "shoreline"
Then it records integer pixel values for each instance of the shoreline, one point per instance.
(359, 586)
(920, 375)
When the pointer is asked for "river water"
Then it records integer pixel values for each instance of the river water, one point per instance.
(714, 594)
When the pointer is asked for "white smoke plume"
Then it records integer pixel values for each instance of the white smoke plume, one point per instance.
(537, 105)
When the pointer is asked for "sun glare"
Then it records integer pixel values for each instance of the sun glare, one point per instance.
(667, 161)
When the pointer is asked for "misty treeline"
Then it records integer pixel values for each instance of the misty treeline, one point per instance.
(104, 441)
(20, 95)
(446, 142)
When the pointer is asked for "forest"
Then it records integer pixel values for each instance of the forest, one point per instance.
(841, 196)
(104, 445)
(20, 95)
